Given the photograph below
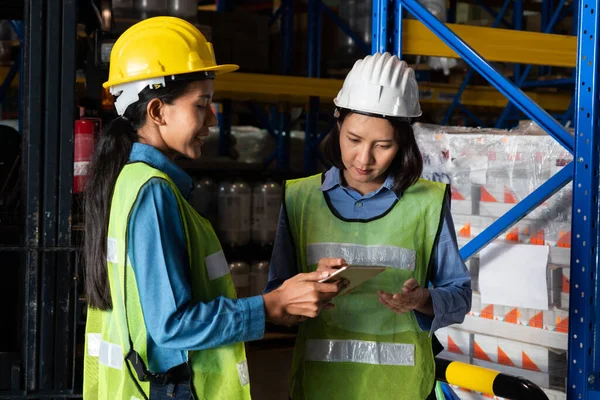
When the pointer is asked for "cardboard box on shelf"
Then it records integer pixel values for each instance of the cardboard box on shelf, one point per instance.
(534, 358)
(485, 348)
(480, 310)
(556, 319)
(455, 341)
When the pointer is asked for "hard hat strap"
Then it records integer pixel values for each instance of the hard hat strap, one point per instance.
(129, 93)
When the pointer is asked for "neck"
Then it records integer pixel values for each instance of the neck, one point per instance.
(153, 138)
(362, 187)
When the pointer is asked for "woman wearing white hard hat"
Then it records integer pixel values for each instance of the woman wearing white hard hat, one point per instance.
(371, 208)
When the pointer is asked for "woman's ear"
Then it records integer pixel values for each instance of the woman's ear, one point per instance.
(155, 112)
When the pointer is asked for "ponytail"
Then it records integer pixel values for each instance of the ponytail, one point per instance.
(110, 156)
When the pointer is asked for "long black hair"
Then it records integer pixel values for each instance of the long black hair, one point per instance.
(407, 165)
(110, 156)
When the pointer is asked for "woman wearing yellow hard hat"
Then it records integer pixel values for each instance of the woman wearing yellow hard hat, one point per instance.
(163, 319)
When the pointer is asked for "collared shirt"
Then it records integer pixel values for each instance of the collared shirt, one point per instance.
(450, 280)
(158, 252)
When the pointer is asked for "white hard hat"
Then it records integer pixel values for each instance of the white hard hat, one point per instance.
(383, 85)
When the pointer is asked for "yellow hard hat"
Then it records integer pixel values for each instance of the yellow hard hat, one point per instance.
(154, 51)
(161, 46)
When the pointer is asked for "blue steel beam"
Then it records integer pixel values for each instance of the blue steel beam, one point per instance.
(572, 8)
(379, 26)
(283, 117)
(223, 5)
(513, 93)
(283, 141)
(521, 81)
(398, 11)
(270, 159)
(18, 28)
(546, 11)
(345, 28)
(449, 392)
(583, 381)
(470, 72)
(517, 25)
(14, 69)
(452, 12)
(537, 197)
(224, 119)
(457, 97)
(287, 36)
(263, 118)
(319, 23)
(471, 115)
(499, 16)
(325, 133)
(314, 60)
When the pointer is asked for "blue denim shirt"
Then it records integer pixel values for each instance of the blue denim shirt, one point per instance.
(450, 280)
(158, 252)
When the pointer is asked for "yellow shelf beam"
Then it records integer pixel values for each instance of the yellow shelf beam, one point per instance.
(296, 90)
(501, 45)
(4, 70)
(210, 7)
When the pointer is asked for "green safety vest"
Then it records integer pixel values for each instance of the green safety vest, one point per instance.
(219, 373)
(360, 349)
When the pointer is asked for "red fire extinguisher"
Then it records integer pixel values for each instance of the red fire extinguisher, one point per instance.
(86, 131)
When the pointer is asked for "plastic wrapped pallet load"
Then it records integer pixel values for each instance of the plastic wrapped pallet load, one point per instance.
(489, 172)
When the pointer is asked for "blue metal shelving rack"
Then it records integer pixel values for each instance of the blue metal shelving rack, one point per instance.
(551, 15)
(584, 347)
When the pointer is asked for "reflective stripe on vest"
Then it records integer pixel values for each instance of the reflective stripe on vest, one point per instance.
(216, 265)
(109, 354)
(357, 254)
(360, 351)
(217, 373)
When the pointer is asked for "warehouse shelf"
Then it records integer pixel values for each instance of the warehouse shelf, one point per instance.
(501, 45)
(521, 333)
(539, 378)
(582, 341)
(558, 256)
(4, 71)
(297, 90)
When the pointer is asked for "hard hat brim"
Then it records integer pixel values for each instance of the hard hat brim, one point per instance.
(217, 69)
(375, 112)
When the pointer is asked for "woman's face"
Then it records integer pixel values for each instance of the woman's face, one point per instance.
(368, 148)
(187, 119)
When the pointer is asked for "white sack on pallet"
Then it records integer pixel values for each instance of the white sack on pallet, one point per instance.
(491, 170)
